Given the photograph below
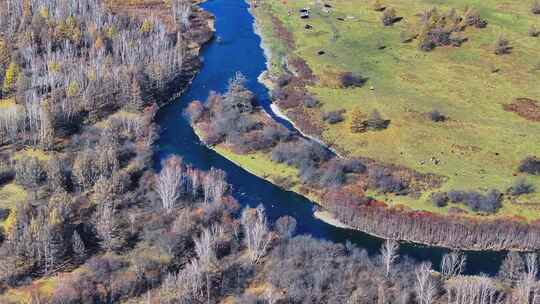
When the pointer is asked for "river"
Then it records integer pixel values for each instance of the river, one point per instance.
(238, 49)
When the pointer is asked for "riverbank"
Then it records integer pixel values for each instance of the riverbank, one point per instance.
(234, 25)
(421, 235)
(409, 226)
(328, 218)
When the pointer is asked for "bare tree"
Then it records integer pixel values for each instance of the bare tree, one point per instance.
(195, 181)
(286, 226)
(512, 267)
(424, 285)
(132, 218)
(181, 10)
(182, 287)
(453, 264)
(56, 175)
(389, 254)
(169, 182)
(256, 234)
(206, 251)
(214, 185)
(205, 247)
(271, 295)
(8, 269)
(85, 170)
(106, 226)
(52, 247)
(472, 290)
(527, 285)
(29, 172)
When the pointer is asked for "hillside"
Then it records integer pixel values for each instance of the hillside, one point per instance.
(461, 112)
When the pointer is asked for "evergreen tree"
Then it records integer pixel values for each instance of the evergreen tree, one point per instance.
(79, 249)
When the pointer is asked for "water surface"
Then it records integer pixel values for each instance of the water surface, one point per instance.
(238, 50)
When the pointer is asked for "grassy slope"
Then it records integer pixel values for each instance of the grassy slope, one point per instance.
(44, 287)
(408, 83)
(260, 164)
(10, 195)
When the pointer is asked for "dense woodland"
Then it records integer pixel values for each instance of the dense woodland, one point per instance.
(81, 83)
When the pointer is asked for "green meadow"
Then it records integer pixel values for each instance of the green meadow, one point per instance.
(480, 146)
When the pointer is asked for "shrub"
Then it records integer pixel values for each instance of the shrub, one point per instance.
(195, 111)
(535, 7)
(440, 199)
(489, 203)
(456, 196)
(512, 267)
(334, 117)
(520, 187)
(533, 31)
(285, 226)
(502, 46)
(357, 121)
(284, 80)
(280, 152)
(376, 122)
(456, 39)
(4, 213)
(472, 18)
(231, 112)
(6, 173)
(301, 154)
(350, 80)
(530, 165)
(446, 29)
(384, 181)
(232, 124)
(258, 140)
(439, 36)
(29, 172)
(389, 17)
(333, 175)
(436, 116)
(353, 166)
(311, 102)
(276, 133)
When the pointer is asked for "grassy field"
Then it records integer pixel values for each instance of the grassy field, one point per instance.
(260, 164)
(30, 152)
(10, 195)
(480, 145)
(6, 103)
(42, 288)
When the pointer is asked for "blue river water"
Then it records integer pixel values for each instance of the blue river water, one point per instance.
(238, 50)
